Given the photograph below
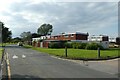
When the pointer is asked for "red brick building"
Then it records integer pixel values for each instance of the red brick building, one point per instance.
(71, 37)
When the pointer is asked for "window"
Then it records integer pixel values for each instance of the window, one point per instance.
(66, 36)
(72, 35)
(55, 37)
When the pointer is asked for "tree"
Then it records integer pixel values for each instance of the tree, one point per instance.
(16, 40)
(45, 29)
(26, 36)
(35, 35)
(5, 33)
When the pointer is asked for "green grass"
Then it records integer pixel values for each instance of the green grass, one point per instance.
(78, 53)
(1, 52)
(4, 44)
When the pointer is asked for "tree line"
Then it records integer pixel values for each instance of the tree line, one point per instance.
(5, 33)
(43, 30)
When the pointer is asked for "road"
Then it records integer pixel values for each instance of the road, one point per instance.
(29, 64)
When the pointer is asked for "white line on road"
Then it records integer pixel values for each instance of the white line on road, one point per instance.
(14, 57)
(23, 56)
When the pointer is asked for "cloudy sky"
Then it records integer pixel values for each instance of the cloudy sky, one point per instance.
(75, 16)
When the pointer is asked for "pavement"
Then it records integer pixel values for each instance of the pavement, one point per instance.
(28, 64)
(108, 66)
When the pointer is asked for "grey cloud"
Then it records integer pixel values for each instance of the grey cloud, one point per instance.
(66, 17)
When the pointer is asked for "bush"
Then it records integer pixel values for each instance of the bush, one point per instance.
(68, 45)
(93, 46)
(76, 45)
(82, 45)
(56, 45)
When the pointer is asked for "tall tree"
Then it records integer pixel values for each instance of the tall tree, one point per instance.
(16, 39)
(45, 29)
(26, 36)
(35, 35)
(5, 33)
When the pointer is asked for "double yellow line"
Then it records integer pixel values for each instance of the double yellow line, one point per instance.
(8, 67)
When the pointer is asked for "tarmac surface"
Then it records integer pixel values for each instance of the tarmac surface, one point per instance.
(30, 64)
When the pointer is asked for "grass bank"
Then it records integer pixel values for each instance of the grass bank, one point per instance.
(79, 53)
(1, 50)
(4, 44)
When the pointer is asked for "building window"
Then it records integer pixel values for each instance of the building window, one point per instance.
(55, 37)
(66, 36)
(72, 35)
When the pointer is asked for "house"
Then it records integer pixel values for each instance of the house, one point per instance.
(70, 37)
(100, 39)
(112, 40)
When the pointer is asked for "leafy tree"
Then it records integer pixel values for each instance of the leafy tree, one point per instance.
(16, 39)
(5, 33)
(26, 36)
(45, 29)
(34, 35)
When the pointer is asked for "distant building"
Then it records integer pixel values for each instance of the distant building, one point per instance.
(77, 37)
(100, 39)
(71, 37)
(112, 40)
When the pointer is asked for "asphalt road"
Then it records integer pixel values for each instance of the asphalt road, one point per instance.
(28, 64)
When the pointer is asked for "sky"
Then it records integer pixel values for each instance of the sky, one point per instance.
(94, 17)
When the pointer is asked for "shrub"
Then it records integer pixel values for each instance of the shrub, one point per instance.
(56, 45)
(93, 46)
(76, 45)
(83, 45)
(68, 45)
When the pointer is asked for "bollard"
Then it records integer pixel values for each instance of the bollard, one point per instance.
(98, 52)
(65, 51)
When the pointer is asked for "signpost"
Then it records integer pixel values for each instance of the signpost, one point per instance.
(98, 52)
(65, 51)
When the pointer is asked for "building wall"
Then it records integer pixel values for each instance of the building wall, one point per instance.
(76, 37)
(118, 40)
(69, 37)
(105, 38)
(45, 44)
(81, 37)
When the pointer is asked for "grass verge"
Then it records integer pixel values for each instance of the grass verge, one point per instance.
(80, 53)
(1, 50)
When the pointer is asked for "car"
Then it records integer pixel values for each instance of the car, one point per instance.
(20, 44)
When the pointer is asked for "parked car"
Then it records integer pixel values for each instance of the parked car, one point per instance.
(20, 44)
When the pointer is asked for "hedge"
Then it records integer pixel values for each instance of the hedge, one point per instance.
(75, 45)
(93, 46)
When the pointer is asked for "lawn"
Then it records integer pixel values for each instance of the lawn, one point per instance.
(79, 53)
(1, 52)
(4, 44)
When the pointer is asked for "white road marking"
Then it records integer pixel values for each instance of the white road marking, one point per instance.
(23, 56)
(14, 57)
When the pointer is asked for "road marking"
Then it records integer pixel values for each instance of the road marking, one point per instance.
(8, 67)
(23, 56)
(14, 57)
